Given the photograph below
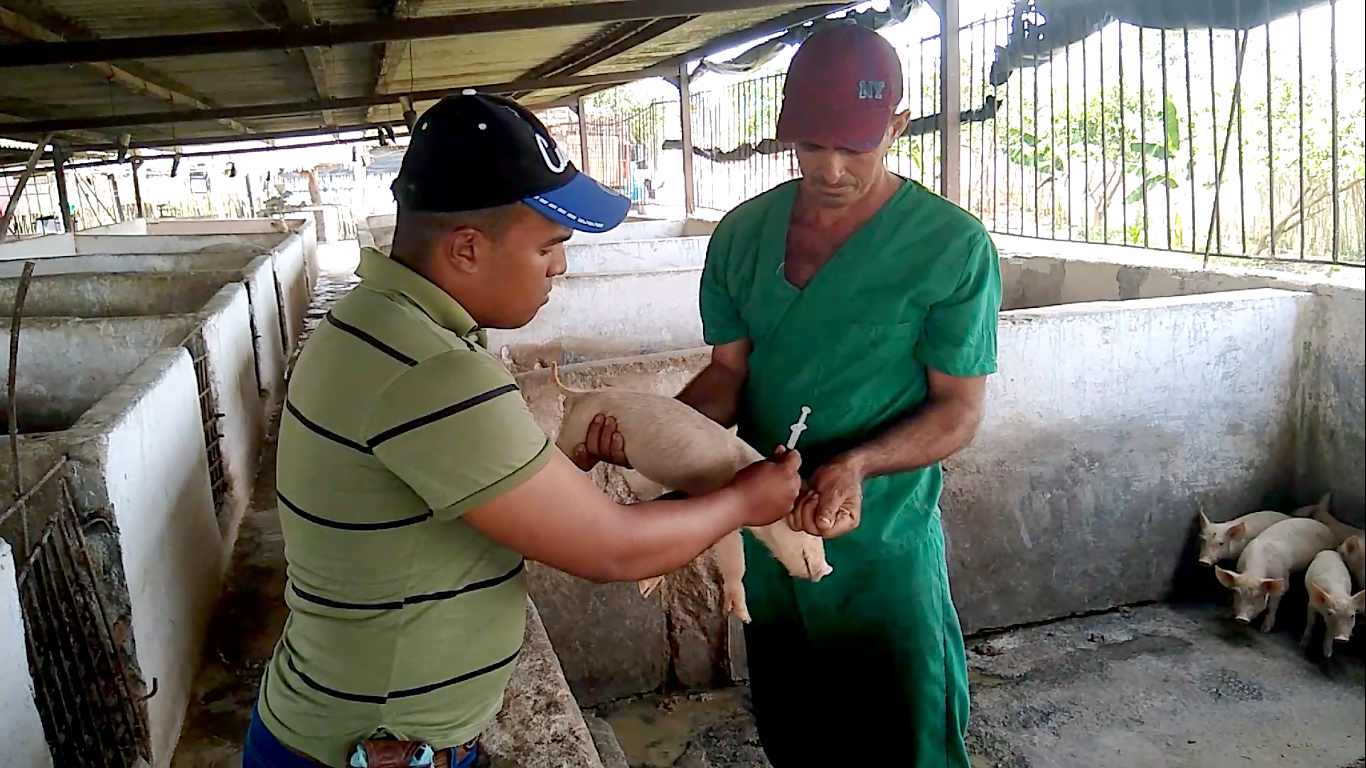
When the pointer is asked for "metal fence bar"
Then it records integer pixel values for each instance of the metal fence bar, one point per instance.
(1333, 126)
(209, 417)
(1085, 152)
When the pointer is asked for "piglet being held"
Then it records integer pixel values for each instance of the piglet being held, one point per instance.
(1330, 596)
(678, 448)
(1265, 566)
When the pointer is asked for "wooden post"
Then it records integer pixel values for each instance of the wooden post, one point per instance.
(18, 193)
(950, 77)
(137, 186)
(583, 136)
(118, 201)
(685, 111)
(59, 170)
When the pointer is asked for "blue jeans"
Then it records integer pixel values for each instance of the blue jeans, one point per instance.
(263, 750)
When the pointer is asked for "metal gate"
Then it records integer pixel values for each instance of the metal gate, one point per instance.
(86, 694)
(209, 416)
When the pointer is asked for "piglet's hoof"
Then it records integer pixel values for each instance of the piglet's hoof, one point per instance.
(648, 586)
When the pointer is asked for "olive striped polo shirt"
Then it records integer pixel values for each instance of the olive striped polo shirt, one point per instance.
(402, 617)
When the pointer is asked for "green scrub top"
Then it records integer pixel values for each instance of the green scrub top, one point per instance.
(917, 285)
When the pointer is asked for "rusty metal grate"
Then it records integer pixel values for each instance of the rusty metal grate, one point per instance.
(87, 696)
(209, 415)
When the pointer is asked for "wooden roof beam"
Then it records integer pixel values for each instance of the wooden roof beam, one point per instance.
(302, 13)
(391, 52)
(314, 106)
(384, 30)
(32, 30)
(773, 26)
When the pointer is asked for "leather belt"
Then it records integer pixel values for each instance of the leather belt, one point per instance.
(440, 759)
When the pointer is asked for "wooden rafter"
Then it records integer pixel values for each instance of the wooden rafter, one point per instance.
(31, 30)
(301, 12)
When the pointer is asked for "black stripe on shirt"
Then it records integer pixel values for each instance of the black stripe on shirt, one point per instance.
(435, 416)
(320, 431)
(346, 327)
(430, 597)
(403, 693)
(383, 525)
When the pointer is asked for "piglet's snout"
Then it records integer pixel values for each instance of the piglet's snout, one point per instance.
(818, 570)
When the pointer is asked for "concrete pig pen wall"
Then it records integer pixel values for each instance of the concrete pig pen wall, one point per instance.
(139, 454)
(21, 732)
(638, 297)
(277, 286)
(67, 364)
(1331, 448)
(1108, 427)
(124, 294)
(138, 463)
(378, 231)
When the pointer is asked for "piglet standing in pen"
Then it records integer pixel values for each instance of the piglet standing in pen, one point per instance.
(680, 449)
(1319, 511)
(1225, 541)
(1265, 566)
(1330, 596)
(1353, 552)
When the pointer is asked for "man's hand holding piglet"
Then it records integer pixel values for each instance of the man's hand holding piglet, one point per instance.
(772, 485)
(602, 443)
(831, 505)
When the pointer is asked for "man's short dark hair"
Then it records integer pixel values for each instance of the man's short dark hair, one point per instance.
(417, 233)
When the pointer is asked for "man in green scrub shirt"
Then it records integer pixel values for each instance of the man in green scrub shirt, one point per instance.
(873, 302)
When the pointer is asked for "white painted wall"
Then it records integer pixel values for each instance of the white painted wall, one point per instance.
(216, 226)
(652, 311)
(144, 447)
(66, 364)
(133, 262)
(21, 732)
(87, 244)
(129, 227)
(259, 278)
(291, 262)
(38, 247)
(635, 255)
(226, 324)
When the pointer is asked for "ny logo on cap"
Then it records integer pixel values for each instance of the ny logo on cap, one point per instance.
(871, 89)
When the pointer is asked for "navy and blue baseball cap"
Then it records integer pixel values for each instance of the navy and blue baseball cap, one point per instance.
(473, 151)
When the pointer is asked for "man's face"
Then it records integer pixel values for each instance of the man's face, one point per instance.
(835, 177)
(513, 273)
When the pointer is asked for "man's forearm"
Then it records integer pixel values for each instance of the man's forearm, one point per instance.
(934, 433)
(664, 535)
(715, 393)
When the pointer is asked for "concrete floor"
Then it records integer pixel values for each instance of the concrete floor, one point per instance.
(1159, 686)
(1150, 687)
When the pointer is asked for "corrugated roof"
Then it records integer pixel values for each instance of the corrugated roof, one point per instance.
(70, 91)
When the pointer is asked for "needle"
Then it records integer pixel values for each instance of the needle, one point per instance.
(798, 429)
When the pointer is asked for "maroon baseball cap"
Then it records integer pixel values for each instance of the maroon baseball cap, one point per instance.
(842, 88)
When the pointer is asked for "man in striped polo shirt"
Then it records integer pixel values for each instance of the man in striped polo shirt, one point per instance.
(412, 479)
